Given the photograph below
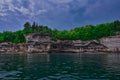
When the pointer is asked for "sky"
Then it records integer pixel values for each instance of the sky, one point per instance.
(59, 14)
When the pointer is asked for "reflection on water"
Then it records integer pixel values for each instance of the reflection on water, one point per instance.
(69, 66)
(38, 58)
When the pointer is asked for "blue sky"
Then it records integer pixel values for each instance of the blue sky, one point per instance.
(60, 14)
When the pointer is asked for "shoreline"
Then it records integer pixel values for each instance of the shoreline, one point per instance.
(61, 52)
(44, 43)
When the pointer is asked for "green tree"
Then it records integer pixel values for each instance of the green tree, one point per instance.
(27, 25)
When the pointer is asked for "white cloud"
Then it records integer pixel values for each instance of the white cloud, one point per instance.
(35, 8)
(61, 1)
(5, 5)
(3, 14)
(9, 5)
(38, 7)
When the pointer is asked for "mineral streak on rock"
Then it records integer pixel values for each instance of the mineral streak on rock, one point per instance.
(43, 42)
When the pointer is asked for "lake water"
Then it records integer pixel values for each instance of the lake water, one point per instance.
(59, 66)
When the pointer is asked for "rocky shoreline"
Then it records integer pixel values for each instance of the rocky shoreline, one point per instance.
(43, 43)
(12, 48)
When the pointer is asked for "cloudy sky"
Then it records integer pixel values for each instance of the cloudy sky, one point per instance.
(60, 14)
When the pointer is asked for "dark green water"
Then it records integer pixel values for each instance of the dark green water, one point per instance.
(60, 66)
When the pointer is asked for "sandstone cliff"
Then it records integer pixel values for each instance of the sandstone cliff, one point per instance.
(43, 42)
(112, 42)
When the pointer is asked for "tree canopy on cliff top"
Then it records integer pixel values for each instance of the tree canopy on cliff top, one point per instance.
(88, 32)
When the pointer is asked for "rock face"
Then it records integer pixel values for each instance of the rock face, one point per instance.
(43, 42)
(38, 42)
(62, 46)
(112, 42)
(11, 47)
(89, 46)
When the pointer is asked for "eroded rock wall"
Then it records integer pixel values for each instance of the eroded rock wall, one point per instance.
(112, 42)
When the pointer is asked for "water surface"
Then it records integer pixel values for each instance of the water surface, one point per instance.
(67, 66)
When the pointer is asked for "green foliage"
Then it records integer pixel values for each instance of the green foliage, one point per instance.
(19, 37)
(27, 25)
(8, 36)
(88, 32)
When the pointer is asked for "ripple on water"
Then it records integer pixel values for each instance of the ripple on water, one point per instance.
(61, 77)
(60, 67)
(12, 75)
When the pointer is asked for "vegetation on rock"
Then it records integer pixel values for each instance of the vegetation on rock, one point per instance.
(88, 32)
